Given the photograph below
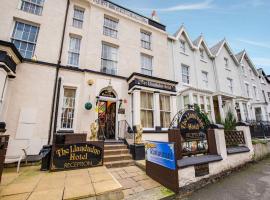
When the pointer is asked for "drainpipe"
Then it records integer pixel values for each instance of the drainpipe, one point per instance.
(57, 75)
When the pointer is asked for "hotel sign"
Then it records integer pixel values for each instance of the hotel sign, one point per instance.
(76, 156)
(161, 153)
(191, 124)
(152, 84)
(120, 9)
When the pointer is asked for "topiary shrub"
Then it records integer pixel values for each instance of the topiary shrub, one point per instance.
(230, 121)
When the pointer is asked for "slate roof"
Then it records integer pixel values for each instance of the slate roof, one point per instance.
(240, 55)
(214, 49)
(197, 41)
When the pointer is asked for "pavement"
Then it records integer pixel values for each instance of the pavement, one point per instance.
(251, 183)
(97, 183)
(32, 184)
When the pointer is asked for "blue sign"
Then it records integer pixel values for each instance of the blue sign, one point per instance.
(161, 153)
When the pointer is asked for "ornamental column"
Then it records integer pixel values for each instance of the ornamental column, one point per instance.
(136, 107)
(156, 109)
(221, 111)
(212, 109)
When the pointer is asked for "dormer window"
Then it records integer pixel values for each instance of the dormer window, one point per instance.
(226, 60)
(182, 46)
(202, 54)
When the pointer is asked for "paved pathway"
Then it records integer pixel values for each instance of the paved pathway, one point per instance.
(252, 183)
(137, 185)
(32, 184)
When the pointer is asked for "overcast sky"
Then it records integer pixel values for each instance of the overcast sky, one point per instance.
(244, 23)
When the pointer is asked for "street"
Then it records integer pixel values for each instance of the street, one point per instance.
(252, 183)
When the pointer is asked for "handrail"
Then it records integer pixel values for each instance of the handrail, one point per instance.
(126, 132)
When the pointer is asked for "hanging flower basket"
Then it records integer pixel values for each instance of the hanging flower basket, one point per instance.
(88, 106)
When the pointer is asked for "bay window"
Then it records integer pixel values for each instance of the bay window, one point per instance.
(147, 110)
(165, 111)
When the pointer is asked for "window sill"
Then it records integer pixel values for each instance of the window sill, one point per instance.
(186, 84)
(202, 60)
(184, 53)
(228, 69)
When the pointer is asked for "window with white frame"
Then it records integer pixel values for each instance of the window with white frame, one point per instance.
(195, 100)
(245, 111)
(147, 110)
(226, 61)
(185, 74)
(230, 84)
(110, 27)
(202, 53)
(205, 78)
(255, 92)
(68, 108)
(202, 104)
(209, 111)
(145, 40)
(183, 46)
(78, 17)
(243, 70)
(74, 51)
(109, 58)
(24, 37)
(146, 65)
(165, 111)
(247, 89)
(32, 6)
(186, 101)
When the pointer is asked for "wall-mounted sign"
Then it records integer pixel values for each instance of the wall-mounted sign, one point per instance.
(192, 129)
(190, 122)
(161, 153)
(121, 111)
(152, 84)
(201, 170)
(76, 156)
(107, 93)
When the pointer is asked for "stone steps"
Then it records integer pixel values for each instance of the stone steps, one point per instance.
(117, 155)
(123, 163)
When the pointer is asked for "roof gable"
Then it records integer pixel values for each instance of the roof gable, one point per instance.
(243, 55)
(201, 42)
(182, 31)
(215, 50)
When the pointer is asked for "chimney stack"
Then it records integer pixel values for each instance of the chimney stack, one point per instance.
(155, 16)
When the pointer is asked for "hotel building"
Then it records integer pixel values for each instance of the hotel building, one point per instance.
(68, 63)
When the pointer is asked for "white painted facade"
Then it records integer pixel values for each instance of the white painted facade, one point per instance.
(27, 95)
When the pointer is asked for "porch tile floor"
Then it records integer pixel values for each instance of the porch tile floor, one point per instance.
(32, 184)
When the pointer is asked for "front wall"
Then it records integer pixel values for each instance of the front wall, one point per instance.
(27, 111)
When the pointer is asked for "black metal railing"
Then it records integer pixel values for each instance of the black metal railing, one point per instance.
(259, 129)
(125, 132)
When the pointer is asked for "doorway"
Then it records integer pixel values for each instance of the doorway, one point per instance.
(107, 119)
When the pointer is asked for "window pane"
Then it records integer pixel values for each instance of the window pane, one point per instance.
(24, 37)
(109, 58)
(110, 27)
(32, 6)
(68, 107)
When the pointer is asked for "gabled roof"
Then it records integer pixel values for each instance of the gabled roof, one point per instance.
(180, 31)
(267, 77)
(215, 50)
(243, 54)
(200, 41)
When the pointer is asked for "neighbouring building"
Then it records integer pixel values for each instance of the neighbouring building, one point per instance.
(68, 63)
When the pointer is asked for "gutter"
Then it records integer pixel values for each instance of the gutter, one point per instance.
(52, 119)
